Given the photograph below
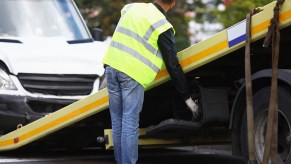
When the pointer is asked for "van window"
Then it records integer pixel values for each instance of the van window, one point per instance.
(41, 18)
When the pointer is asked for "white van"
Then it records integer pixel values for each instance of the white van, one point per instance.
(48, 59)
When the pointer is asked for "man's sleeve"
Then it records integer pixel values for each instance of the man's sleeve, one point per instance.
(166, 43)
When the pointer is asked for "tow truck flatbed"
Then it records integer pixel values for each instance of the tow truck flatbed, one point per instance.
(191, 58)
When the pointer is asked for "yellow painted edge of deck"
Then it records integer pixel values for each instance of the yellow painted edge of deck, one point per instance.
(55, 121)
(217, 45)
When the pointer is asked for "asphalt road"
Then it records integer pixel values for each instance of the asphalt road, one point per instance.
(196, 155)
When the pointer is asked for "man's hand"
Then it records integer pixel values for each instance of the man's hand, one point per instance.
(194, 109)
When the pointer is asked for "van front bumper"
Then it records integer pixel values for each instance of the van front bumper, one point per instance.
(15, 109)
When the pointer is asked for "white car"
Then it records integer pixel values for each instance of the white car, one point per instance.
(48, 59)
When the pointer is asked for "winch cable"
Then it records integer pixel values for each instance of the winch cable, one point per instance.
(249, 96)
(271, 138)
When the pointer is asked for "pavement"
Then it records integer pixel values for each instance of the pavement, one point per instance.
(172, 155)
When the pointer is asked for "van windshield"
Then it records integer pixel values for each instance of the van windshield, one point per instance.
(41, 18)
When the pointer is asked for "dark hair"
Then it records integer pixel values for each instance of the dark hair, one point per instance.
(168, 1)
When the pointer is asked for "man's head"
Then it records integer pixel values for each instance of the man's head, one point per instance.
(168, 1)
(166, 4)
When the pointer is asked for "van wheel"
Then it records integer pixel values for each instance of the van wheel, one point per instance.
(261, 105)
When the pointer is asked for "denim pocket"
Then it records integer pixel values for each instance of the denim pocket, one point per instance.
(125, 81)
(112, 83)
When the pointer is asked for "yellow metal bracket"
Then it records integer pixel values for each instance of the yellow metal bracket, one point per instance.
(145, 142)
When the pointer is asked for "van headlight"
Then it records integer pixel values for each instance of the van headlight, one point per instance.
(5, 82)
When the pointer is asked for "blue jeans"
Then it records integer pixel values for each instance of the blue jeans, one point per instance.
(125, 104)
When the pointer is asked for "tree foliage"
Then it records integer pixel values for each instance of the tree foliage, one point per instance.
(106, 13)
(238, 10)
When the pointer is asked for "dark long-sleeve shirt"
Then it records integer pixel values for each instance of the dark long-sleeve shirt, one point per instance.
(166, 43)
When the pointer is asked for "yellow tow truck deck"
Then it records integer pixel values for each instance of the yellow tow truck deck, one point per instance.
(215, 70)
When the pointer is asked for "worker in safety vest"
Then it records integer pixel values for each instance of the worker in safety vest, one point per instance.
(143, 40)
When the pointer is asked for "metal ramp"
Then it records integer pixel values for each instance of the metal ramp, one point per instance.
(173, 128)
(214, 109)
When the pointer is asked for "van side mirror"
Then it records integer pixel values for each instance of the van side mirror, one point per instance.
(97, 34)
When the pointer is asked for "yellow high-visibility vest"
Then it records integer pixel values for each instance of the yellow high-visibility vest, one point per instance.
(134, 49)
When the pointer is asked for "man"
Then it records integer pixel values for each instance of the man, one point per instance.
(142, 42)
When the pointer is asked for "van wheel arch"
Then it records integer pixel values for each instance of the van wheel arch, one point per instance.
(3, 66)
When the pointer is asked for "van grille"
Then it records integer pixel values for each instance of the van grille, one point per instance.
(60, 85)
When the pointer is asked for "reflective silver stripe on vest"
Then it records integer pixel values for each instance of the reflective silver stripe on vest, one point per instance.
(138, 38)
(135, 54)
(153, 27)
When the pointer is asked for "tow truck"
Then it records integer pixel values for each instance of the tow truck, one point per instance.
(215, 69)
